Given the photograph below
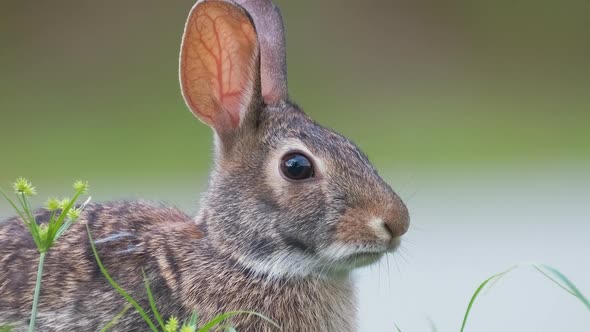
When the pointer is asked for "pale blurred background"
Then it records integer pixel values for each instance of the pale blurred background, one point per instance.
(477, 113)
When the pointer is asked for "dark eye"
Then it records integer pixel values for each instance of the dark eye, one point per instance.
(296, 166)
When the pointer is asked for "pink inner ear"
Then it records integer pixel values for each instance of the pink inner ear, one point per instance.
(217, 60)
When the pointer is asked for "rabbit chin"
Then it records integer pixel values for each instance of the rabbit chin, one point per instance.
(345, 256)
(334, 261)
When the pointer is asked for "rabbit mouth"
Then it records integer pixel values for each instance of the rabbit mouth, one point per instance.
(349, 256)
(357, 259)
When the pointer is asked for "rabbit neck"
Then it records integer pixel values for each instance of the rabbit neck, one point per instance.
(215, 282)
(298, 304)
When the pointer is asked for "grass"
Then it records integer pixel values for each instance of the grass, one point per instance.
(63, 215)
(171, 324)
(65, 212)
(549, 272)
(115, 319)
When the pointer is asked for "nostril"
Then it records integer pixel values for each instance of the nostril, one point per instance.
(388, 227)
(398, 224)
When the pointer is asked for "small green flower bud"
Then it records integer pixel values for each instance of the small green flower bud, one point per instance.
(23, 186)
(171, 325)
(73, 214)
(52, 204)
(186, 328)
(43, 232)
(63, 203)
(81, 186)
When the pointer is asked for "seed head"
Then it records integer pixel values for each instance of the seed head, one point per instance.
(24, 187)
(43, 232)
(52, 204)
(81, 186)
(73, 214)
(171, 325)
(187, 328)
(63, 203)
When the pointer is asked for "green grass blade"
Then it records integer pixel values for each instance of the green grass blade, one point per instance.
(37, 292)
(151, 299)
(26, 207)
(14, 206)
(217, 320)
(115, 319)
(30, 224)
(397, 327)
(35, 234)
(66, 225)
(194, 319)
(549, 272)
(63, 215)
(116, 285)
(562, 281)
(495, 277)
(431, 324)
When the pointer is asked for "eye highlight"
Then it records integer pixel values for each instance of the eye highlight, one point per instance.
(297, 166)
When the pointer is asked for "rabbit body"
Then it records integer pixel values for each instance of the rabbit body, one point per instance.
(291, 208)
(184, 272)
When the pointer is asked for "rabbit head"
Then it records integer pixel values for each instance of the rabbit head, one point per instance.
(287, 197)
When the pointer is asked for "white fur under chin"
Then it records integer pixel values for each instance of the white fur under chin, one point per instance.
(281, 265)
(328, 262)
(338, 250)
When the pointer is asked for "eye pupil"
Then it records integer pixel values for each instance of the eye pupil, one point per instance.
(296, 166)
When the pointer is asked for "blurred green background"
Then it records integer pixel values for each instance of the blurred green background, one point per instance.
(89, 88)
(477, 112)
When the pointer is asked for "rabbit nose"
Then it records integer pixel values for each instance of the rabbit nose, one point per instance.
(397, 220)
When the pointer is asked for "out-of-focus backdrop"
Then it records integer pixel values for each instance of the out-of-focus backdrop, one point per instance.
(477, 113)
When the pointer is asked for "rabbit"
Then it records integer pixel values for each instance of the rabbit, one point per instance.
(291, 208)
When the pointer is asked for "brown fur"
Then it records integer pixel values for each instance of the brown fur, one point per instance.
(168, 246)
(260, 242)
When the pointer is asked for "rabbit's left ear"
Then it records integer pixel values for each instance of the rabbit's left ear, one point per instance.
(219, 64)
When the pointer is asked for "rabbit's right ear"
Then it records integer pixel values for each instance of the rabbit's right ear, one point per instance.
(271, 36)
(219, 64)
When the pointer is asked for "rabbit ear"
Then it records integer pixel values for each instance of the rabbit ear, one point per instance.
(219, 64)
(271, 34)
